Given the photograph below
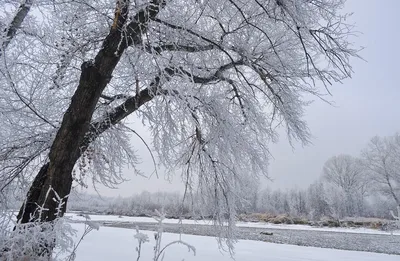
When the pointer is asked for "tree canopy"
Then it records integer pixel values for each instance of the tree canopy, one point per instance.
(212, 79)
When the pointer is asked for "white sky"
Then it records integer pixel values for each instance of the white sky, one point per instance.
(365, 106)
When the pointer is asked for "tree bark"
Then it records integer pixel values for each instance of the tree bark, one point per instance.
(65, 150)
(29, 206)
(96, 129)
(76, 132)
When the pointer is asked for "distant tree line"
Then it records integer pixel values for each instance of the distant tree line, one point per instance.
(365, 186)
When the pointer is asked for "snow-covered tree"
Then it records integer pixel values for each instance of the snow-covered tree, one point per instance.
(318, 201)
(249, 193)
(211, 79)
(382, 160)
(338, 202)
(347, 174)
(298, 203)
(396, 216)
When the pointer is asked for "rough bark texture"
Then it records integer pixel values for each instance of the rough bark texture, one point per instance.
(64, 151)
(96, 128)
(29, 205)
(76, 132)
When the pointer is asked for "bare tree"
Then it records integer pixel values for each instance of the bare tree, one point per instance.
(318, 201)
(382, 159)
(211, 79)
(249, 193)
(298, 202)
(346, 173)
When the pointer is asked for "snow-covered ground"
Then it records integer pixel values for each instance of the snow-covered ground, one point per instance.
(119, 244)
(113, 218)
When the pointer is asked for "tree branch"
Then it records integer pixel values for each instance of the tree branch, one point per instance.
(10, 31)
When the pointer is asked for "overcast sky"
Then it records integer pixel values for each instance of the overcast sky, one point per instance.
(365, 106)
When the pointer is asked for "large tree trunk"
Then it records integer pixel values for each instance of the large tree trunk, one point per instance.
(65, 150)
(95, 130)
(29, 206)
(55, 176)
(76, 132)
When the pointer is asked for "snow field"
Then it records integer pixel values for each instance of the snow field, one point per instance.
(119, 244)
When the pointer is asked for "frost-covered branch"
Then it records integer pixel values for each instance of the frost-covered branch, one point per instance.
(213, 81)
(10, 30)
